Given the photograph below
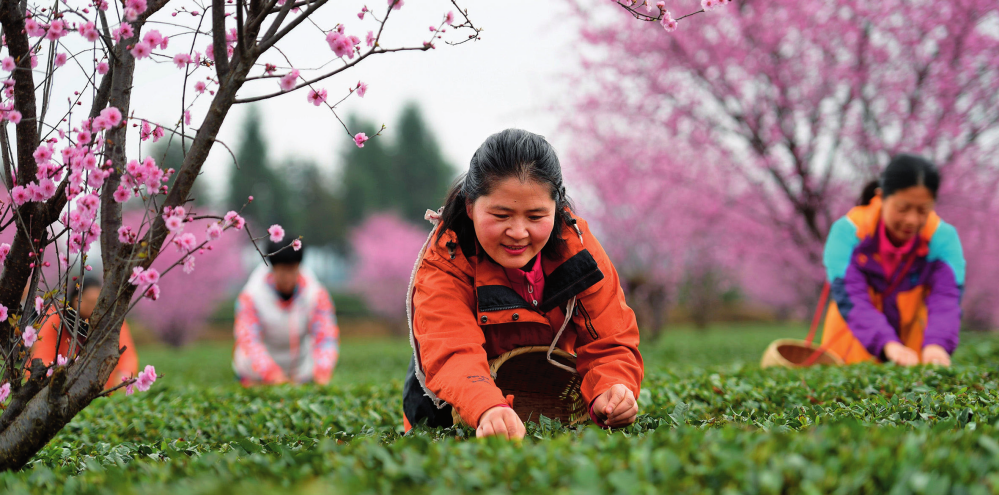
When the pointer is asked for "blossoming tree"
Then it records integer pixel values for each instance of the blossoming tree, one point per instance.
(385, 248)
(70, 164)
(756, 128)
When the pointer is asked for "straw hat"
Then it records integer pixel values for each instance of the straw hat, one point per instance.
(539, 387)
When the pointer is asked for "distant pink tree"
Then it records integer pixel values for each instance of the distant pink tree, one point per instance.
(755, 130)
(385, 248)
(189, 298)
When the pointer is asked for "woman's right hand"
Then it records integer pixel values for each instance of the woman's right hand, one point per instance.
(900, 354)
(500, 421)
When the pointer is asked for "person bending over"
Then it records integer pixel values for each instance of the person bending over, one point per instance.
(285, 325)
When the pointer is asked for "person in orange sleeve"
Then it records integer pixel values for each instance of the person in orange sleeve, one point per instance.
(507, 263)
(84, 295)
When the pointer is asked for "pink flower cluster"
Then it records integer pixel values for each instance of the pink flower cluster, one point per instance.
(134, 8)
(142, 276)
(148, 131)
(151, 40)
(276, 233)
(138, 174)
(342, 44)
(82, 222)
(30, 336)
(4, 392)
(142, 382)
(232, 219)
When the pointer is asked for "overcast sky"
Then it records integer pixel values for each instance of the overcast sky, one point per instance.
(507, 79)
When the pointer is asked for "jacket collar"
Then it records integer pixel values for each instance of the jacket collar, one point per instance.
(571, 274)
(867, 217)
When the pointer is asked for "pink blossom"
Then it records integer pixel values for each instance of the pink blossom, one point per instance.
(153, 292)
(126, 235)
(276, 232)
(395, 4)
(187, 117)
(60, 59)
(122, 194)
(4, 251)
(4, 392)
(317, 98)
(449, 18)
(102, 68)
(34, 61)
(89, 32)
(30, 335)
(181, 60)
(362, 88)
(14, 116)
(232, 218)
(56, 30)
(158, 132)
(113, 116)
(370, 38)
(8, 64)
(141, 50)
(186, 242)
(39, 302)
(42, 154)
(189, 264)
(146, 378)
(214, 231)
(359, 139)
(136, 277)
(33, 28)
(296, 244)
(47, 188)
(3, 312)
(669, 24)
(129, 385)
(153, 38)
(199, 87)
(149, 276)
(20, 195)
(175, 224)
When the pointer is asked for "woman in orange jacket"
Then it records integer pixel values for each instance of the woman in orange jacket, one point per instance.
(87, 293)
(507, 261)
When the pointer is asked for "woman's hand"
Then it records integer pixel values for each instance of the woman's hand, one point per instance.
(500, 421)
(616, 407)
(934, 354)
(900, 354)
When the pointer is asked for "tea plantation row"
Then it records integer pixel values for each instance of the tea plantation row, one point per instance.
(727, 427)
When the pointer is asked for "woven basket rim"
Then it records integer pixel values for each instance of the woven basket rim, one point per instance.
(800, 343)
(495, 364)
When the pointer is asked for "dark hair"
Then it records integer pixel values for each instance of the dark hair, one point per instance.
(88, 281)
(903, 171)
(286, 256)
(510, 153)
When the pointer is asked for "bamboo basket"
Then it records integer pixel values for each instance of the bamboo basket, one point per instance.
(538, 387)
(794, 353)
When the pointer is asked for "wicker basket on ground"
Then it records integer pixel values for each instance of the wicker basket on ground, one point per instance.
(794, 353)
(538, 387)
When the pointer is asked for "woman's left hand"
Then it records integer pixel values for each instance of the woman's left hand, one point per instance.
(616, 407)
(935, 354)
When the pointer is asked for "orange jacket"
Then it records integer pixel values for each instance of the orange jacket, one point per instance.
(465, 313)
(45, 349)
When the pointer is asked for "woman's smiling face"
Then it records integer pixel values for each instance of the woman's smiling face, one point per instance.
(514, 221)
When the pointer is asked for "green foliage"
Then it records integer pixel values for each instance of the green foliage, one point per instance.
(257, 177)
(407, 176)
(726, 427)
